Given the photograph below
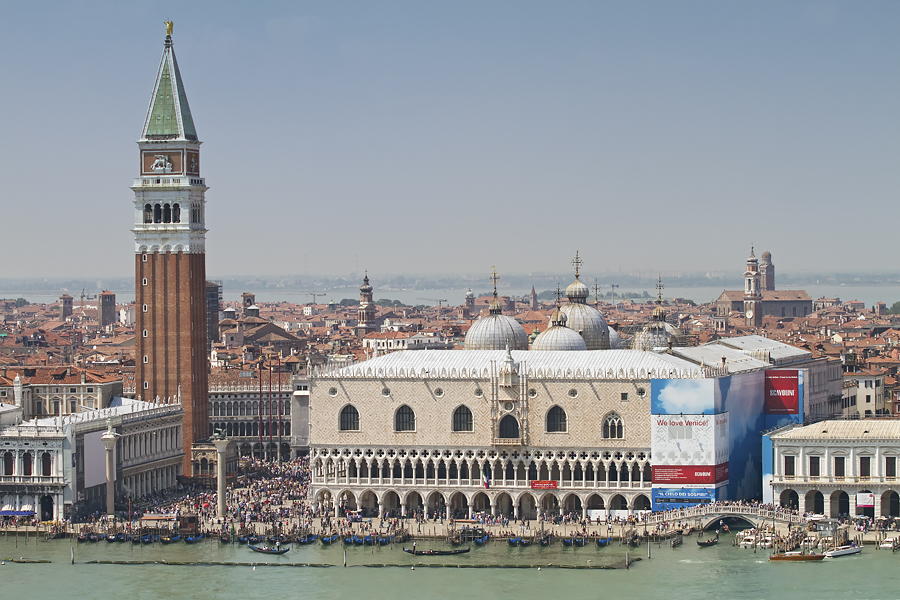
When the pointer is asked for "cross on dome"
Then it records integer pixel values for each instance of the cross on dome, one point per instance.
(577, 262)
(494, 278)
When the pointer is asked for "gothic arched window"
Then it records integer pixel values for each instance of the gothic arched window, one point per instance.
(613, 427)
(556, 420)
(349, 420)
(509, 427)
(462, 419)
(176, 213)
(167, 214)
(405, 419)
(148, 213)
(157, 214)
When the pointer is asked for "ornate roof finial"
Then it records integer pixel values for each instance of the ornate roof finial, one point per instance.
(495, 307)
(494, 278)
(596, 293)
(659, 288)
(577, 262)
(169, 26)
(558, 295)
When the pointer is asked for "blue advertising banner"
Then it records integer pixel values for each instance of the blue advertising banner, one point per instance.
(675, 498)
(682, 396)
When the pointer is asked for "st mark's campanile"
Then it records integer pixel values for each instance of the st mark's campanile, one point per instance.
(170, 260)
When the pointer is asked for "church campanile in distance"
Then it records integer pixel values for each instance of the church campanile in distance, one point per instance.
(170, 257)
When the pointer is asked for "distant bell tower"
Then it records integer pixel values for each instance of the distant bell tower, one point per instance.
(752, 292)
(170, 260)
(767, 271)
(366, 310)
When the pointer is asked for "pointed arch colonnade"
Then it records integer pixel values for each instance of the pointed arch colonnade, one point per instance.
(522, 483)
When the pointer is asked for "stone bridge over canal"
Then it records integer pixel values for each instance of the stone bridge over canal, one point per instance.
(709, 515)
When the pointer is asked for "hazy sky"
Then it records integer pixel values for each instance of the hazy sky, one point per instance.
(446, 137)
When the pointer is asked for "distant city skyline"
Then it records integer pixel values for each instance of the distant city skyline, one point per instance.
(411, 138)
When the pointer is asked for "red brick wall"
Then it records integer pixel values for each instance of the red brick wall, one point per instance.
(175, 346)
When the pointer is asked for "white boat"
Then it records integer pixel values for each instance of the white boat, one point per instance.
(748, 541)
(890, 544)
(766, 542)
(843, 551)
(811, 541)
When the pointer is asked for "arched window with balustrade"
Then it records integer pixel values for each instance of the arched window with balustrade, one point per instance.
(613, 427)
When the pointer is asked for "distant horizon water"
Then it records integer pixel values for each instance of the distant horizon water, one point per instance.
(868, 294)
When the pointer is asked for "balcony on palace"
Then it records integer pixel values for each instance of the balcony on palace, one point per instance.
(31, 480)
(495, 483)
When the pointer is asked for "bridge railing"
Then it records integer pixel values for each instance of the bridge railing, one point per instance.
(754, 512)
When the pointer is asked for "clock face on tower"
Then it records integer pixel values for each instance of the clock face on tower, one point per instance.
(750, 314)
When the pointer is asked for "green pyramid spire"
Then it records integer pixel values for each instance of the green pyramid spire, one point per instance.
(170, 115)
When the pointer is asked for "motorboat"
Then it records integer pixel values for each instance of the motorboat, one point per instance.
(843, 551)
(748, 541)
(890, 544)
(797, 557)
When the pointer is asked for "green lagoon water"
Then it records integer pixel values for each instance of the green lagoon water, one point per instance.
(685, 572)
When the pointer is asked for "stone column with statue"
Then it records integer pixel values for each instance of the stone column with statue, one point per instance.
(221, 443)
(109, 441)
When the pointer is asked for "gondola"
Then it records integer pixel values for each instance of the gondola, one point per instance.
(359, 541)
(481, 541)
(82, 537)
(525, 542)
(225, 538)
(170, 539)
(384, 540)
(94, 537)
(349, 540)
(567, 541)
(243, 540)
(193, 539)
(136, 538)
(435, 552)
(256, 539)
(329, 539)
(111, 537)
(514, 541)
(603, 542)
(121, 537)
(268, 550)
(370, 540)
(579, 540)
(710, 542)
(545, 540)
(148, 539)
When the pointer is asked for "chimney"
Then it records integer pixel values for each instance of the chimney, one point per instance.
(68, 371)
(83, 377)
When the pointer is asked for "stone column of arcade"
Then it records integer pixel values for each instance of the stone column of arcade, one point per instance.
(221, 445)
(109, 441)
